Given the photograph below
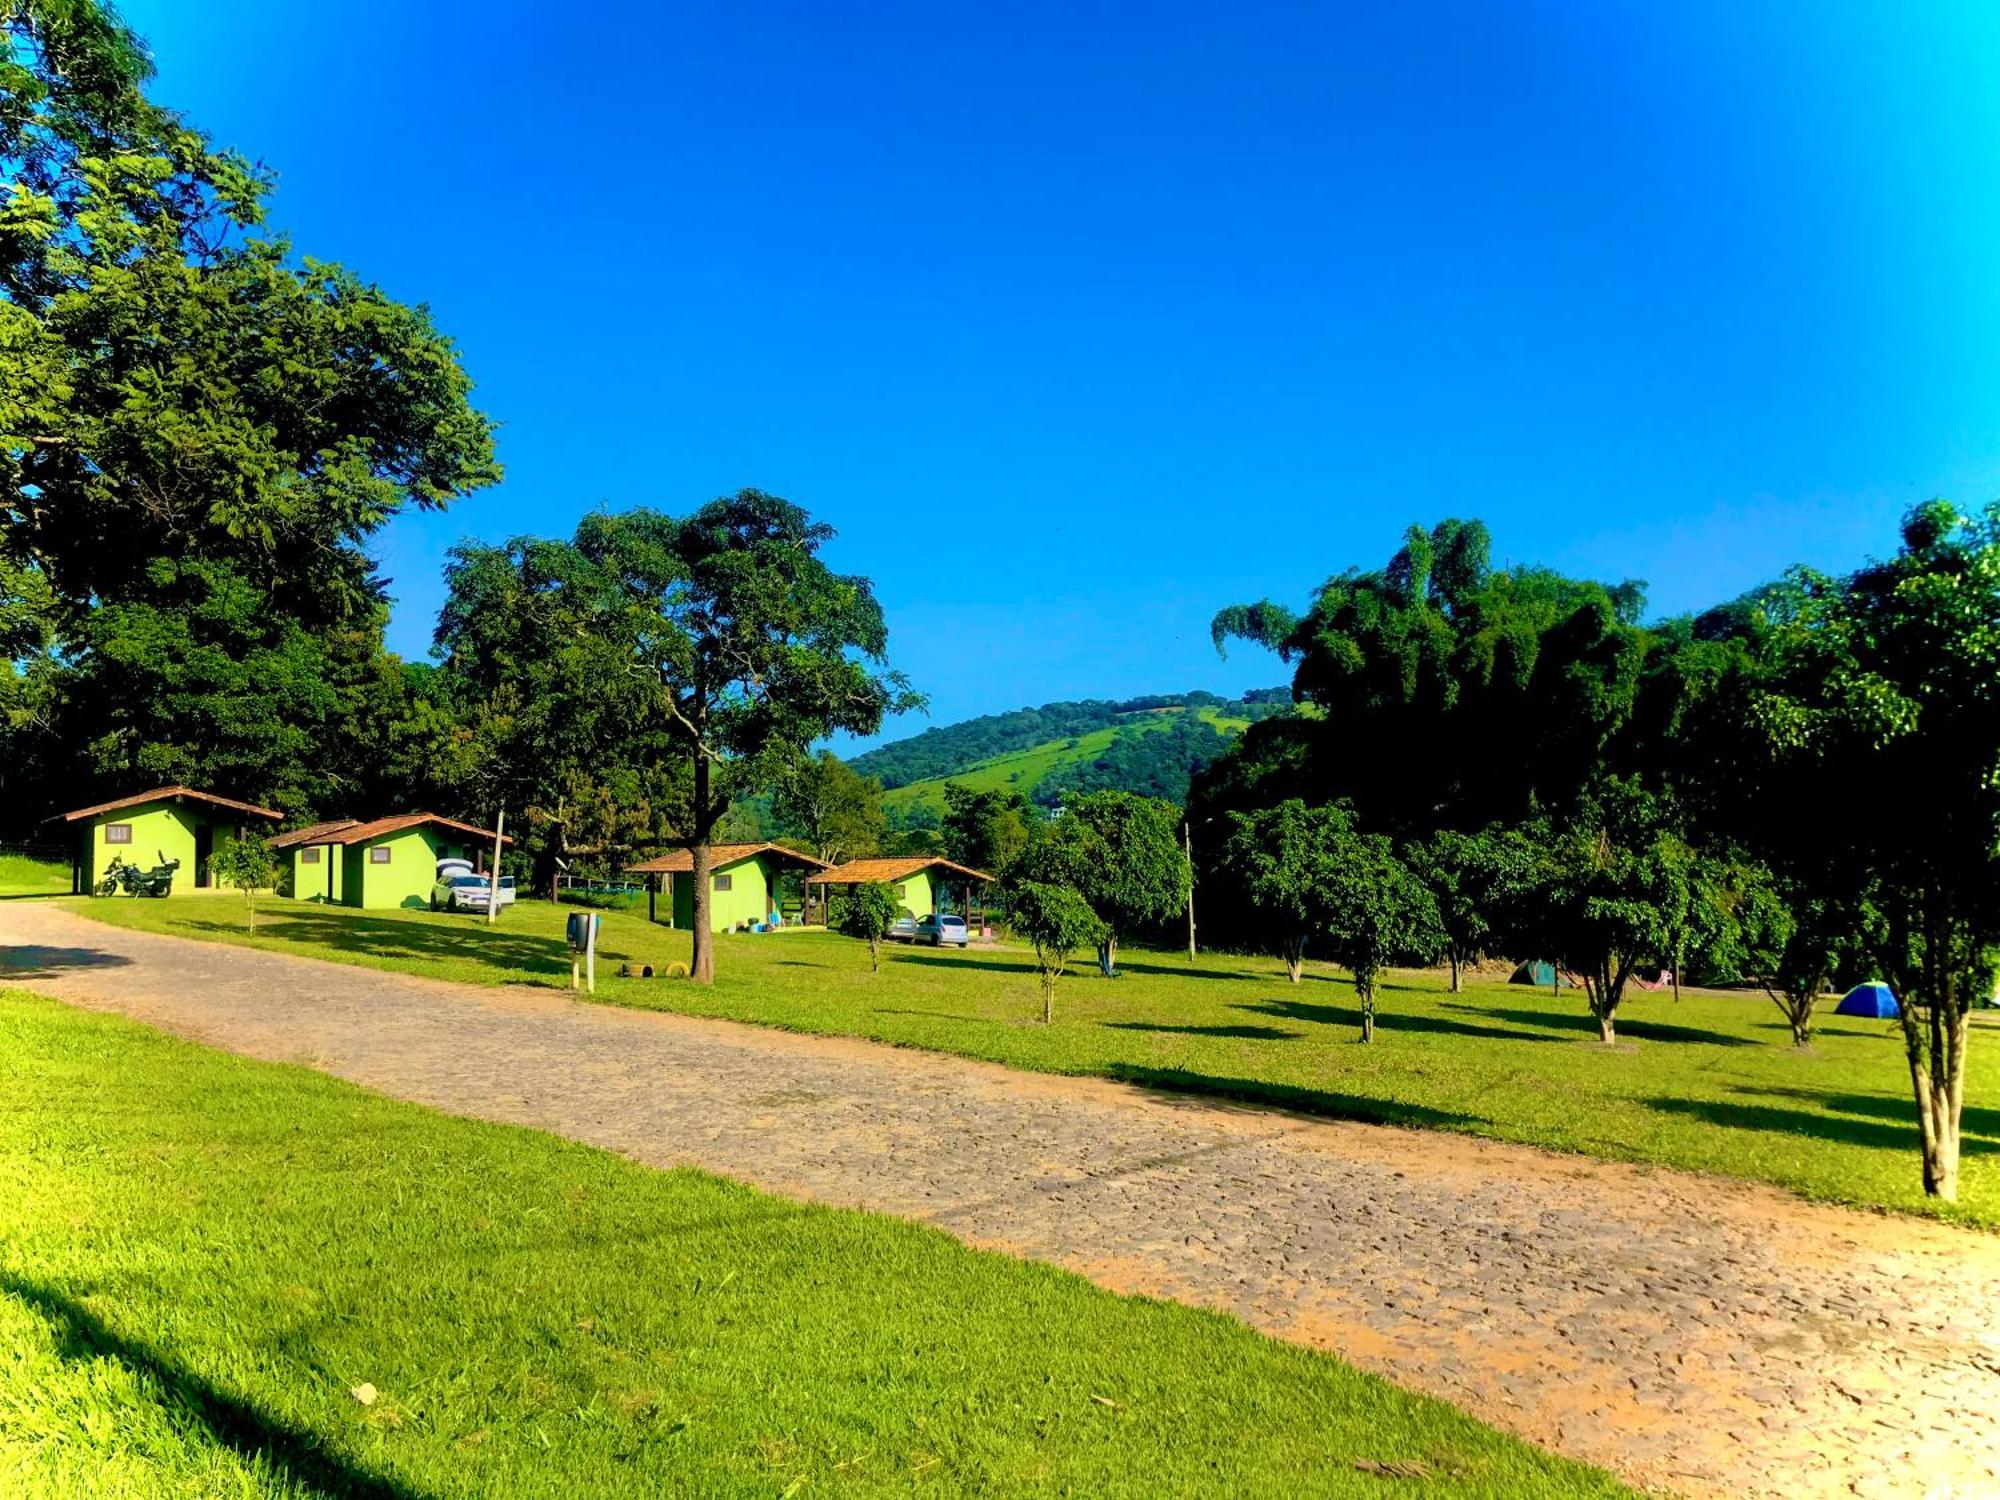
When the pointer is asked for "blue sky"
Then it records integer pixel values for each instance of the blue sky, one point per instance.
(1081, 320)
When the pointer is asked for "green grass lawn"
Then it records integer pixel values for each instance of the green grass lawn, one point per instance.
(24, 875)
(206, 1263)
(1711, 1083)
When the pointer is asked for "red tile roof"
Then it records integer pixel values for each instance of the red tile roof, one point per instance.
(312, 833)
(174, 794)
(877, 871)
(362, 833)
(676, 861)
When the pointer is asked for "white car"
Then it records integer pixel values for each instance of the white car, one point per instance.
(458, 888)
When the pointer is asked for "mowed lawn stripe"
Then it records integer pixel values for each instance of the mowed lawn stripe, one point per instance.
(1711, 1083)
(224, 1277)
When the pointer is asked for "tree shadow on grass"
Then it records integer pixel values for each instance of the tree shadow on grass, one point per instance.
(28, 961)
(1185, 1085)
(496, 949)
(233, 1422)
(1388, 1020)
(1629, 1028)
(1973, 1120)
(1246, 1033)
(1818, 1124)
(1177, 971)
(941, 961)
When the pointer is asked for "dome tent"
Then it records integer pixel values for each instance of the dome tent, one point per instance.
(1873, 999)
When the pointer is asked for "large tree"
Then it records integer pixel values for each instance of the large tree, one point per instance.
(1472, 878)
(1376, 912)
(1283, 861)
(199, 431)
(986, 829)
(832, 808)
(756, 647)
(1869, 751)
(1406, 667)
(535, 644)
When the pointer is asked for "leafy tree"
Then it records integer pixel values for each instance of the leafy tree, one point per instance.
(1285, 861)
(535, 642)
(1473, 878)
(1123, 855)
(1866, 753)
(199, 431)
(1596, 900)
(986, 830)
(1376, 912)
(868, 912)
(1058, 921)
(836, 812)
(755, 648)
(1408, 665)
(248, 865)
(1793, 943)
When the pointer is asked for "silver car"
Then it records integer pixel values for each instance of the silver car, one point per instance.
(461, 890)
(942, 930)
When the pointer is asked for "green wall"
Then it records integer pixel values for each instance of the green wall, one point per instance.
(917, 895)
(325, 881)
(160, 830)
(747, 900)
(407, 878)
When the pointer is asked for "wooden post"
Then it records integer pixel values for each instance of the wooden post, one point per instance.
(652, 898)
(493, 880)
(1187, 844)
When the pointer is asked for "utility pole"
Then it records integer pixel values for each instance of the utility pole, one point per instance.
(1187, 844)
(493, 879)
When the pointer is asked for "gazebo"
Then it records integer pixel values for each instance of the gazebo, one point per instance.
(923, 882)
(747, 883)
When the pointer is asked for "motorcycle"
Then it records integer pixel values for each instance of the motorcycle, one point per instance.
(133, 881)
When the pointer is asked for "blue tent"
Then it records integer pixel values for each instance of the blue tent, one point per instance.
(1870, 999)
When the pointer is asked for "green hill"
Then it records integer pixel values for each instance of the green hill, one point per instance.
(1147, 745)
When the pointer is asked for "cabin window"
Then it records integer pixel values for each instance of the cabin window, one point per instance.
(117, 833)
(379, 855)
(724, 882)
(309, 856)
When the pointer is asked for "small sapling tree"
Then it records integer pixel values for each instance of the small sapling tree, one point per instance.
(1058, 922)
(249, 866)
(869, 912)
(1376, 912)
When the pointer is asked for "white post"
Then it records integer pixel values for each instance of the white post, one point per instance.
(493, 876)
(590, 952)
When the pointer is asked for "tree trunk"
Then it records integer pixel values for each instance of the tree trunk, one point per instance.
(1676, 976)
(701, 961)
(1107, 957)
(1937, 1078)
(1295, 958)
(1368, 1016)
(1607, 1028)
(1457, 971)
(701, 965)
(874, 953)
(1048, 996)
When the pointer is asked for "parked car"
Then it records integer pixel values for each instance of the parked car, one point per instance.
(942, 930)
(458, 889)
(904, 928)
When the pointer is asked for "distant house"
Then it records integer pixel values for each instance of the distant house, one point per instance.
(152, 828)
(923, 883)
(380, 863)
(749, 882)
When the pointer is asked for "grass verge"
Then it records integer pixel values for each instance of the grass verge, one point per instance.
(223, 1277)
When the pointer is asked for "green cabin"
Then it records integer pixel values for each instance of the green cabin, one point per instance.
(378, 864)
(749, 883)
(154, 828)
(922, 883)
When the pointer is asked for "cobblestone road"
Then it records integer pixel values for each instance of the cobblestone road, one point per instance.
(1694, 1335)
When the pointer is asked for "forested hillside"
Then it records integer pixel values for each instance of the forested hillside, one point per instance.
(1151, 745)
